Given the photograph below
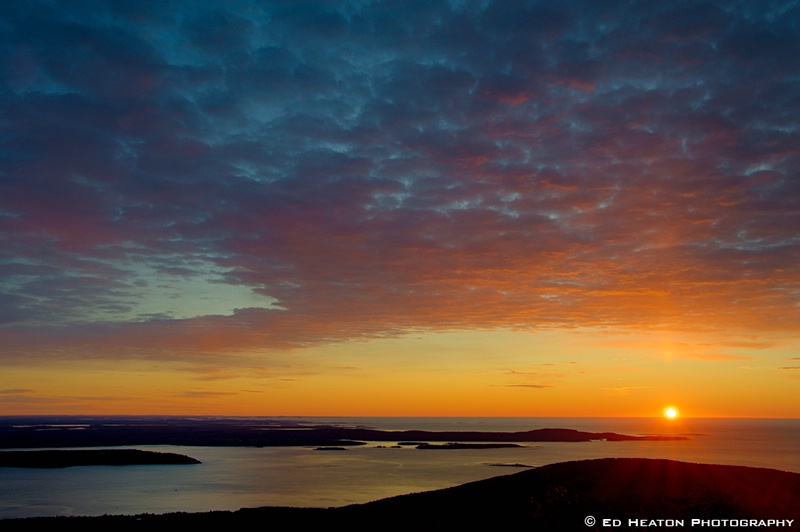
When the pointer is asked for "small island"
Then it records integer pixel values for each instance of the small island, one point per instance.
(454, 445)
(70, 458)
(517, 464)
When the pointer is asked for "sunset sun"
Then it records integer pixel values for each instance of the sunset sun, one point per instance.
(670, 412)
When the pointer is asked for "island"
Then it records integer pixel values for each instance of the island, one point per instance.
(90, 457)
(455, 445)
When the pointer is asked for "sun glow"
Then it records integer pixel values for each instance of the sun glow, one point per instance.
(670, 412)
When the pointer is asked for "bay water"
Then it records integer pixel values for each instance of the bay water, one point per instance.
(230, 478)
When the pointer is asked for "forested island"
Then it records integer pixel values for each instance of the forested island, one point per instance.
(89, 457)
(454, 445)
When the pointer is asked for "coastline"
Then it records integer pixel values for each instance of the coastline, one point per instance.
(232, 432)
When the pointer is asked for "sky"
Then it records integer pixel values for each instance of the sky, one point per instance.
(447, 208)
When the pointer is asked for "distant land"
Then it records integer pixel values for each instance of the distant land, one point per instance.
(25, 433)
(578, 495)
(70, 458)
(467, 445)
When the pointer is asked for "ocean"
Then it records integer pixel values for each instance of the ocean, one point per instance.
(230, 478)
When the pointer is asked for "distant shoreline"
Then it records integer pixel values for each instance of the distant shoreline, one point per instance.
(220, 432)
(455, 446)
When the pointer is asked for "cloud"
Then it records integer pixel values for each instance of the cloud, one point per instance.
(205, 394)
(623, 390)
(341, 172)
(712, 356)
(16, 391)
(24, 398)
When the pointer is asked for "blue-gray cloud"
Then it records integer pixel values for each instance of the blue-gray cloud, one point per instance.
(367, 169)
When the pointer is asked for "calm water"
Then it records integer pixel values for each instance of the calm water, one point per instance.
(231, 478)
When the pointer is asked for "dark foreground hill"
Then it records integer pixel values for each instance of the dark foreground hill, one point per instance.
(567, 496)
